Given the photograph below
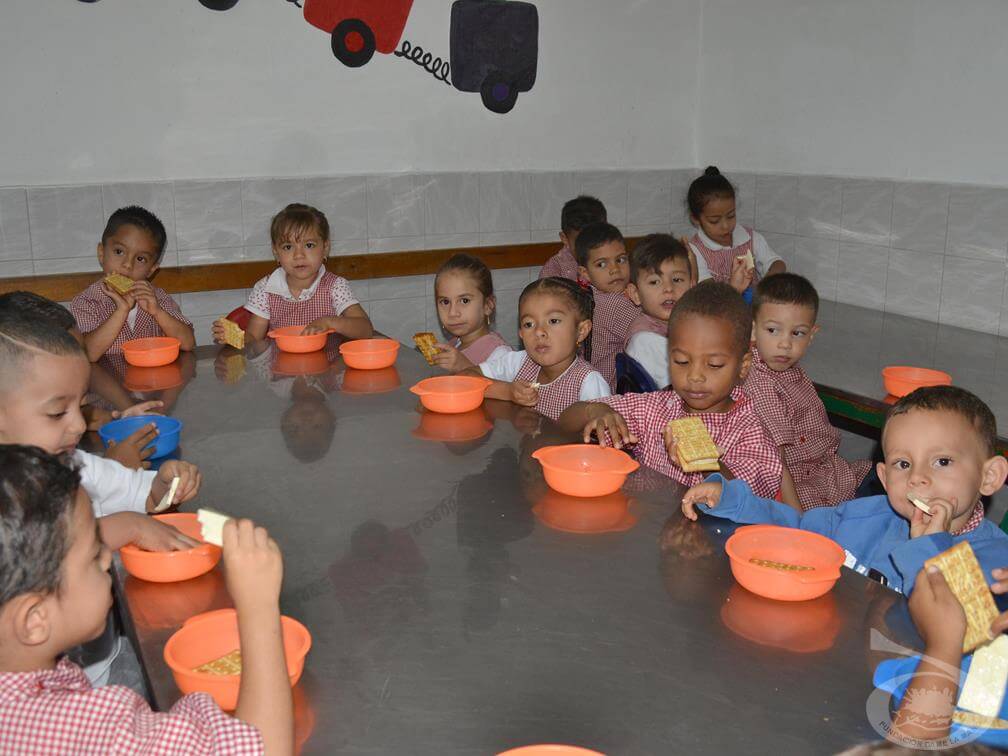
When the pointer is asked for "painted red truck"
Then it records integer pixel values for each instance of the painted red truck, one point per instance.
(359, 27)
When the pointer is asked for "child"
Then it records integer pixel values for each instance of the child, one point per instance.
(56, 594)
(554, 317)
(719, 242)
(603, 261)
(576, 214)
(708, 343)
(301, 292)
(463, 291)
(939, 447)
(659, 275)
(785, 307)
(131, 245)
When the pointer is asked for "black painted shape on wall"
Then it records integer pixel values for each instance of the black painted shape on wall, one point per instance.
(219, 5)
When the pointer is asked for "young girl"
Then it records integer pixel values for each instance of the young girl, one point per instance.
(301, 292)
(463, 291)
(720, 245)
(554, 317)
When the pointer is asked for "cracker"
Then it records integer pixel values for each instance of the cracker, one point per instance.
(984, 689)
(212, 525)
(425, 342)
(748, 258)
(963, 574)
(233, 334)
(695, 449)
(166, 501)
(977, 721)
(229, 664)
(119, 282)
(920, 504)
(784, 566)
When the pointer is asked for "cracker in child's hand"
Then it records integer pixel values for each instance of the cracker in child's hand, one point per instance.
(425, 342)
(212, 525)
(119, 282)
(233, 334)
(962, 572)
(920, 504)
(748, 259)
(977, 721)
(984, 689)
(229, 664)
(695, 449)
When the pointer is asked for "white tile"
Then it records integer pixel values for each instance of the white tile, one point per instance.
(348, 247)
(504, 238)
(546, 235)
(264, 198)
(913, 284)
(452, 241)
(651, 228)
(818, 206)
(170, 259)
(971, 293)
(344, 201)
(202, 328)
(397, 244)
(215, 256)
(395, 206)
(400, 318)
(776, 198)
(681, 180)
(816, 259)
(65, 221)
(361, 289)
(978, 223)
(920, 217)
(503, 202)
(547, 194)
(611, 188)
(50, 266)
(649, 199)
(506, 317)
(156, 196)
(208, 214)
(397, 287)
(211, 303)
(861, 275)
(510, 278)
(451, 203)
(745, 196)
(867, 211)
(16, 268)
(783, 245)
(15, 238)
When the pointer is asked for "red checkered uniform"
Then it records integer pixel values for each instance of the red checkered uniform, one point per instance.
(562, 265)
(481, 349)
(794, 417)
(331, 296)
(93, 306)
(557, 396)
(611, 321)
(720, 261)
(746, 450)
(56, 711)
(975, 518)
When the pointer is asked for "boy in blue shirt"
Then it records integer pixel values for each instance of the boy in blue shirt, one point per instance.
(939, 446)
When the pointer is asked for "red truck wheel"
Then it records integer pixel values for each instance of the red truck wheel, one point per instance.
(353, 42)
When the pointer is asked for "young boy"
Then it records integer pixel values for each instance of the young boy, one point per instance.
(659, 275)
(785, 307)
(603, 262)
(131, 245)
(56, 594)
(708, 343)
(576, 214)
(939, 446)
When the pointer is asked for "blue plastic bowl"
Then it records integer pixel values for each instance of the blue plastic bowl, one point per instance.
(168, 432)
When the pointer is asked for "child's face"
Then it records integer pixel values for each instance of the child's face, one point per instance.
(42, 407)
(131, 251)
(717, 220)
(461, 307)
(704, 362)
(550, 328)
(608, 267)
(783, 332)
(657, 291)
(937, 454)
(301, 258)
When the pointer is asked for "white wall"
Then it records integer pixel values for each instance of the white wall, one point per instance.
(902, 88)
(165, 89)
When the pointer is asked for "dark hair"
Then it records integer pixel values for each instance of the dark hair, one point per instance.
(712, 185)
(652, 251)
(31, 304)
(22, 337)
(37, 493)
(475, 267)
(141, 217)
(714, 299)
(296, 220)
(786, 289)
(592, 236)
(580, 297)
(580, 212)
(952, 399)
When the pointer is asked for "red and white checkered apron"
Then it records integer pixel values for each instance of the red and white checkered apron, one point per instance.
(93, 306)
(719, 261)
(611, 320)
(285, 312)
(557, 396)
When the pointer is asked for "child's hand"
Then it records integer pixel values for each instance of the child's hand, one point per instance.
(189, 483)
(143, 293)
(1000, 623)
(523, 393)
(124, 302)
(318, 326)
(939, 521)
(609, 425)
(705, 493)
(254, 565)
(451, 359)
(141, 408)
(154, 535)
(936, 611)
(741, 275)
(217, 329)
(134, 450)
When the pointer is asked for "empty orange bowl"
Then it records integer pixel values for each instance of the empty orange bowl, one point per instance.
(550, 749)
(369, 354)
(583, 469)
(289, 339)
(370, 381)
(172, 566)
(153, 352)
(901, 380)
(788, 546)
(210, 636)
(575, 514)
(451, 394)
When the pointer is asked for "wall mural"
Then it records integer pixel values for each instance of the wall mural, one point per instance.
(493, 44)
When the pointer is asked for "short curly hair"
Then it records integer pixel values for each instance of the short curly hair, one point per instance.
(713, 299)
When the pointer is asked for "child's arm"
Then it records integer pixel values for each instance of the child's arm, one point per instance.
(600, 419)
(254, 573)
(121, 528)
(98, 341)
(789, 494)
(519, 392)
(779, 266)
(353, 323)
(167, 321)
(256, 329)
(735, 501)
(189, 477)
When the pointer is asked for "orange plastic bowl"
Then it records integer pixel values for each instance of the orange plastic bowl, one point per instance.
(574, 514)
(153, 352)
(583, 469)
(369, 354)
(901, 380)
(289, 339)
(210, 636)
(464, 426)
(451, 394)
(152, 378)
(788, 545)
(370, 381)
(172, 566)
(549, 749)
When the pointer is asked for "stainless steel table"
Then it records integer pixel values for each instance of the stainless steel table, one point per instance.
(452, 609)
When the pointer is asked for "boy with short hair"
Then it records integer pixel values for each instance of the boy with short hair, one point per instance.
(785, 307)
(939, 445)
(576, 214)
(55, 593)
(659, 275)
(603, 262)
(131, 245)
(708, 343)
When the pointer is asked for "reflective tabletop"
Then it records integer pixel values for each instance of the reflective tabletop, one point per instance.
(457, 605)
